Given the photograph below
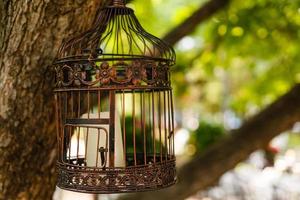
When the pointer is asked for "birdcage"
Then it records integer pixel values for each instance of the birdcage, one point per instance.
(114, 107)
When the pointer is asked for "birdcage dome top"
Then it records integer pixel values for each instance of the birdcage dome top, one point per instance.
(116, 35)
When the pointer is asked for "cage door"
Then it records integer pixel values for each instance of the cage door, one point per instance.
(99, 139)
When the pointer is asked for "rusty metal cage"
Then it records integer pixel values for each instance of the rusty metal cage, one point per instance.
(114, 107)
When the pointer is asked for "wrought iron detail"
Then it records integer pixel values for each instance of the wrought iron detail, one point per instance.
(133, 179)
(102, 74)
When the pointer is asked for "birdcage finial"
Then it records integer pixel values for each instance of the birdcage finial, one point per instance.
(118, 3)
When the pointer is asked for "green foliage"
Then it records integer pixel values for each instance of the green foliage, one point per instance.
(241, 59)
(294, 140)
(255, 55)
(139, 137)
(205, 135)
(159, 16)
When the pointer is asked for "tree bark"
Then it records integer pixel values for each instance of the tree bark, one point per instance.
(189, 25)
(256, 133)
(30, 35)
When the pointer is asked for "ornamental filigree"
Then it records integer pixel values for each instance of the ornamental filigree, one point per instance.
(91, 74)
(105, 74)
(155, 176)
(138, 73)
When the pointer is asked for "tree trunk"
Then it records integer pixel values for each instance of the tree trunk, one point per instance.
(30, 35)
(255, 133)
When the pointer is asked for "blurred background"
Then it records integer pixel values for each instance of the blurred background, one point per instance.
(230, 67)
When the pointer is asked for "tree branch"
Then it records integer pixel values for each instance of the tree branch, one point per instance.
(190, 24)
(255, 133)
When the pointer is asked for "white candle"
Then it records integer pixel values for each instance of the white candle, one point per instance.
(95, 141)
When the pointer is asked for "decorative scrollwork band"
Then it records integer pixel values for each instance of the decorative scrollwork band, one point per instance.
(149, 177)
(97, 74)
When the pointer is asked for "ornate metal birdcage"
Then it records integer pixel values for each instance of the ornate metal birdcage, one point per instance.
(114, 107)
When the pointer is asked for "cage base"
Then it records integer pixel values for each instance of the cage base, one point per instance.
(117, 180)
